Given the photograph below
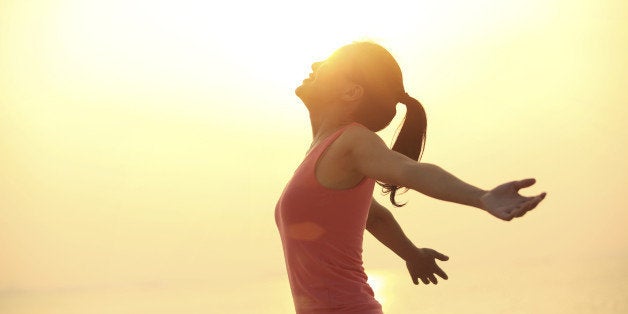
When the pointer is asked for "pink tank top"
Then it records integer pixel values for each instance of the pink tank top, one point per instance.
(321, 231)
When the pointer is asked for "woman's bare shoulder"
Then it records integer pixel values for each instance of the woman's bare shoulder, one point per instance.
(369, 155)
(357, 135)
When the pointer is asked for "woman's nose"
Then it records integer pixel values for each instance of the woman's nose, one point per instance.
(315, 65)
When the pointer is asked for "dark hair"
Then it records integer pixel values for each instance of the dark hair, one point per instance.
(411, 138)
(374, 67)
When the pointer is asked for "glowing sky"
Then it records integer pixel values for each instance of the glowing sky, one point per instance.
(146, 142)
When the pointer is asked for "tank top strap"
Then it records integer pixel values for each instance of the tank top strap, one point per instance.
(321, 147)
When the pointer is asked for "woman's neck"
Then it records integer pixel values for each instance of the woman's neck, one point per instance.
(325, 125)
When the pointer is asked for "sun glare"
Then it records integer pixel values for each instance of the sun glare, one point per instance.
(135, 136)
(194, 44)
(205, 50)
(377, 281)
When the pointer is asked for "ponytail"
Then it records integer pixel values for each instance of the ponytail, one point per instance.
(410, 140)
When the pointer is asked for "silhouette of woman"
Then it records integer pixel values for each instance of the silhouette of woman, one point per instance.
(326, 206)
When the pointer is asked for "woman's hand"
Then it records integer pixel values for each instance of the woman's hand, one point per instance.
(422, 265)
(505, 202)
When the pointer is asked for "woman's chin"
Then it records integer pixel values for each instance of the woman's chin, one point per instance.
(300, 91)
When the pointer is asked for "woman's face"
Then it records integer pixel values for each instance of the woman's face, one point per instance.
(326, 82)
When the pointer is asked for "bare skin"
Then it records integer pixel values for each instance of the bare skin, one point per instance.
(421, 262)
(340, 168)
(359, 152)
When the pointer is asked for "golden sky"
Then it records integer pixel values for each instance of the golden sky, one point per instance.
(146, 142)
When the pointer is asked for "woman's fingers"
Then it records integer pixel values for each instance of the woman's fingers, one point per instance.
(415, 280)
(430, 277)
(528, 205)
(524, 183)
(433, 279)
(427, 270)
(440, 273)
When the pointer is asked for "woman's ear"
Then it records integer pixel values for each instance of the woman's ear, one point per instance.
(353, 92)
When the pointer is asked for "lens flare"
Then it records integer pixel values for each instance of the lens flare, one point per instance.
(377, 281)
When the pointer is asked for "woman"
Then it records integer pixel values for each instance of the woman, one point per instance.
(325, 208)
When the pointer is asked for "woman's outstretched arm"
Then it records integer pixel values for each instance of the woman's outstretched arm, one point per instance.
(443, 185)
(372, 158)
(421, 262)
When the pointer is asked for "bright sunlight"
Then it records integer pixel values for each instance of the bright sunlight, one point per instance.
(144, 145)
(175, 45)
